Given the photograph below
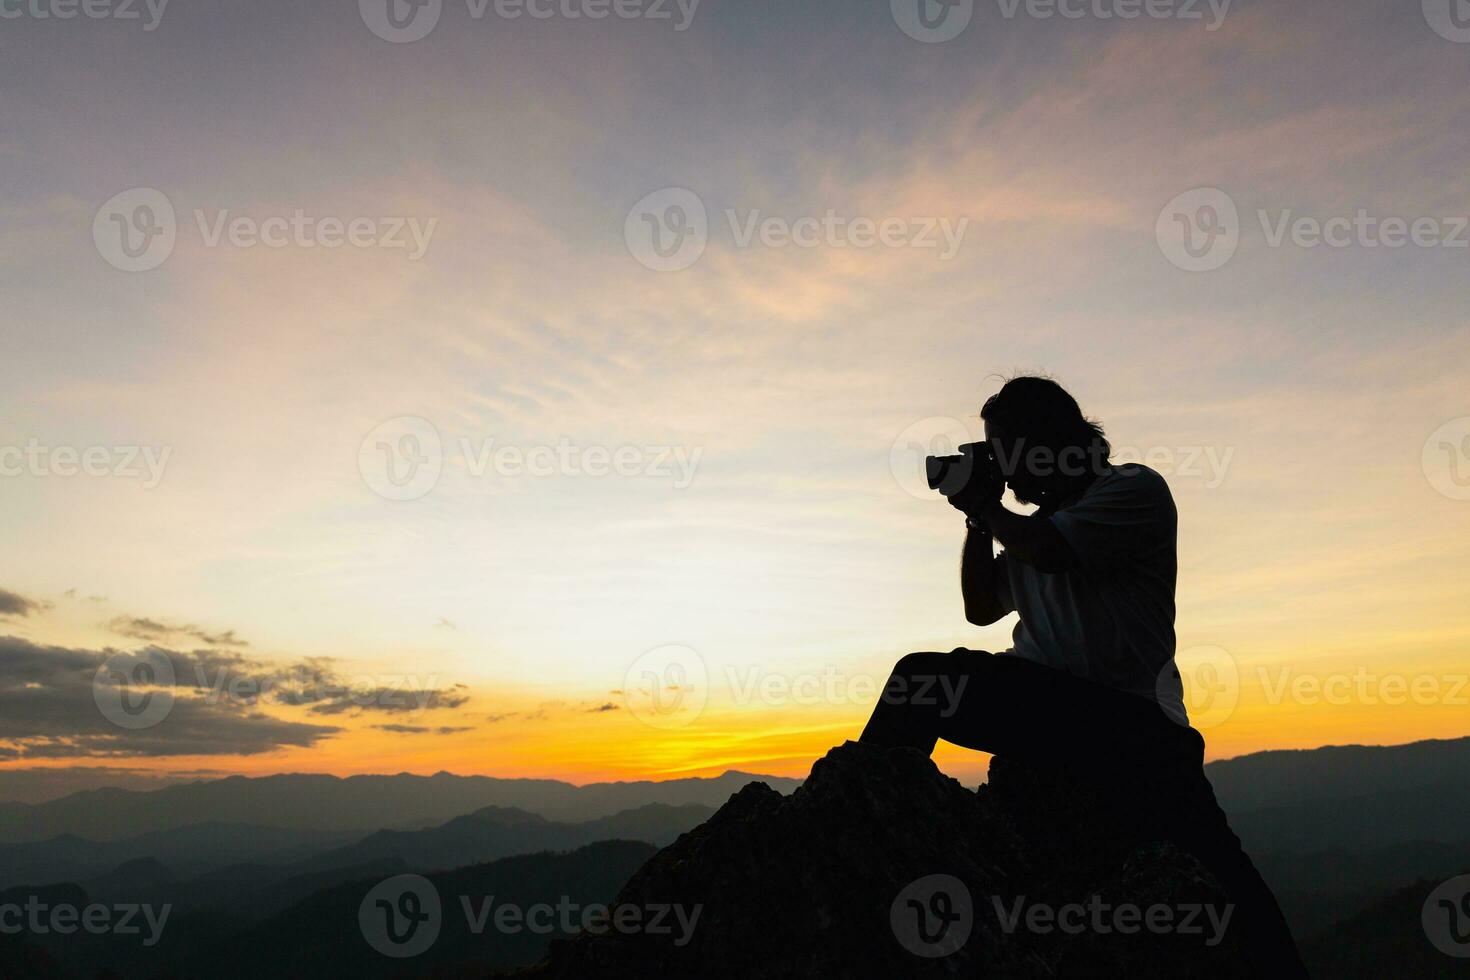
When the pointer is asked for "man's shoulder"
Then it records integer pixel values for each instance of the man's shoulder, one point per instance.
(1136, 474)
(1133, 480)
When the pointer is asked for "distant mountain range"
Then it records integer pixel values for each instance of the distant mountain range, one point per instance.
(252, 908)
(496, 832)
(1389, 931)
(1350, 796)
(186, 851)
(210, 864)
(1350, 837)
(1296, 777)
(319, 934)
(355, 804)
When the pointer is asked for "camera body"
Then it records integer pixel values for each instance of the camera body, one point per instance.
(951, 474)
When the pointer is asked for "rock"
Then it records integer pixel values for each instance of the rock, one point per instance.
(881, 866)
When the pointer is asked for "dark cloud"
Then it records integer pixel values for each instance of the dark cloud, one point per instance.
(51, 701)
(50, 708)
(316, 685)
(424, 729)
(599, 709)
(14, 604)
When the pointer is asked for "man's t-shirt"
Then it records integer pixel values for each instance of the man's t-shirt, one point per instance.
(1110, 617)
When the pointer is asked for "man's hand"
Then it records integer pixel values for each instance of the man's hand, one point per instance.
(981, 493)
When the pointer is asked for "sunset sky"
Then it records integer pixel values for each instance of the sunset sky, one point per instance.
(769, 402)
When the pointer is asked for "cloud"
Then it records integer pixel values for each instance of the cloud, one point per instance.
(329, 694)
(13, 604)
(49, 709)
(605, 706)
(50, 705)
(424, 729)
(540, 714)
(157, 631)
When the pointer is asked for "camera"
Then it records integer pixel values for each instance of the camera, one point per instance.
(951, 474)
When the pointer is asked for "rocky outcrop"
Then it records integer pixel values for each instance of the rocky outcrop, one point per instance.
(881, 866)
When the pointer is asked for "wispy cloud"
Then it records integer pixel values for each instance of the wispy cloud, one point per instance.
(14, 604)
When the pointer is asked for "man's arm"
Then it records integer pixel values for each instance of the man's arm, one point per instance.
(979, 569)
(1034, 540)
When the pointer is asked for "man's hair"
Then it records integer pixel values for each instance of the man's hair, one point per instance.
(1043, 413)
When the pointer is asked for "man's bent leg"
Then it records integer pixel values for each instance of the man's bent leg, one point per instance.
(901, 721)
(992, 703)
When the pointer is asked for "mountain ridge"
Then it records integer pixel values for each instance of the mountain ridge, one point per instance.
(357, 804)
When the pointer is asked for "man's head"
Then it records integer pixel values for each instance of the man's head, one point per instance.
(1044, 444)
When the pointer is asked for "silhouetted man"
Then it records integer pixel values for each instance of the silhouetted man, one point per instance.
(1089, 688)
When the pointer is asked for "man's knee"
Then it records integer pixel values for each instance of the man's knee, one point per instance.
(915, 665)
(927, 680)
